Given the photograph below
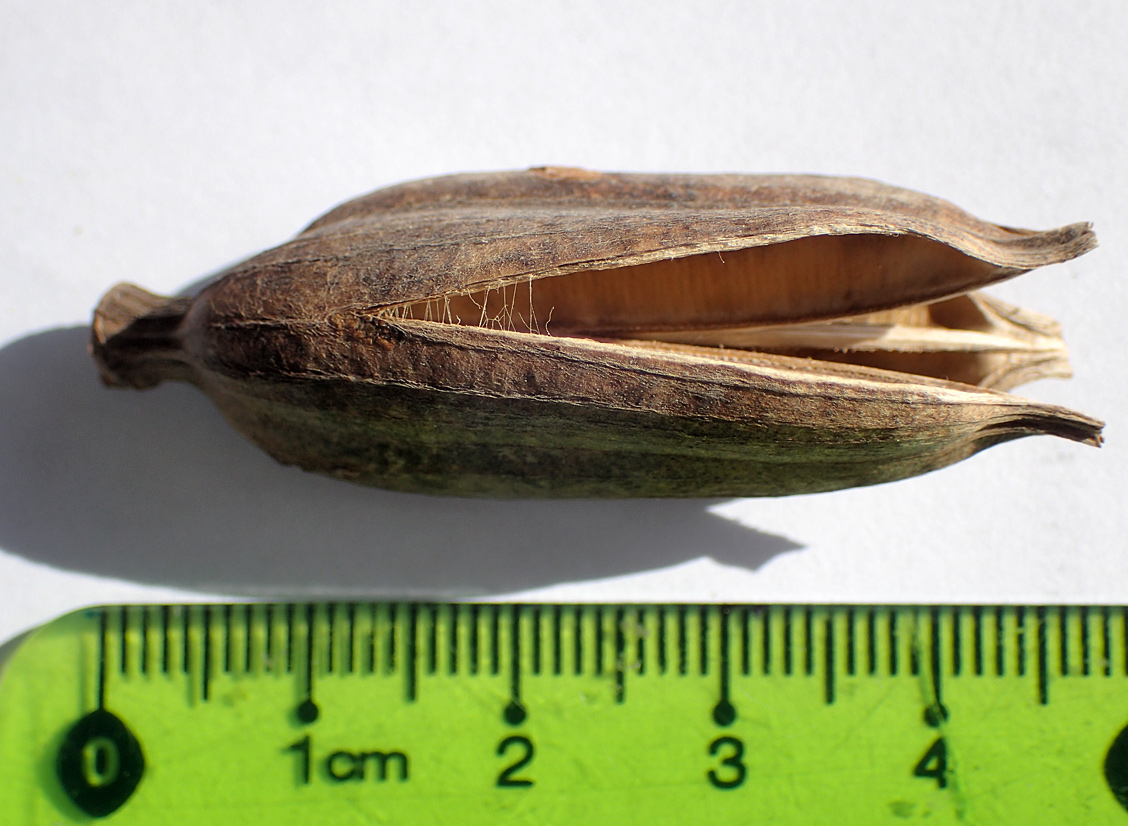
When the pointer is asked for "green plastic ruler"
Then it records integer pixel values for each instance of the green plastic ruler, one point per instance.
(421, 713)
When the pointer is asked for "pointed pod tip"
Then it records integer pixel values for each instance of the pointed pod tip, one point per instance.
(1057, 421)
(1073, 240)
(1087, 430)
(1096, 439)
(1026, 249)
(1085, 237)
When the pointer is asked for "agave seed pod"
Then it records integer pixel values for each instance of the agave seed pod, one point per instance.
(558, 332)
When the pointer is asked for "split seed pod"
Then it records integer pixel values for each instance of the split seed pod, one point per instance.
(559, 332)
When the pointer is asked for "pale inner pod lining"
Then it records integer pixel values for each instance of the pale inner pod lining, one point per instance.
(891, 302)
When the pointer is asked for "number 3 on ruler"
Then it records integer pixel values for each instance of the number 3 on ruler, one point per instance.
(736, 771)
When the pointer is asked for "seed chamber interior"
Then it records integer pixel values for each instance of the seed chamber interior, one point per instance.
(904, 310)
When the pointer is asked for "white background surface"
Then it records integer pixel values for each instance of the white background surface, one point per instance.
(157, 142)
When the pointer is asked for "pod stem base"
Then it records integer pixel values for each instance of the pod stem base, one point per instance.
(134, 337)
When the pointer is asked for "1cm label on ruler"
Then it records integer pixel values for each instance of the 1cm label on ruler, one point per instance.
(444, 712)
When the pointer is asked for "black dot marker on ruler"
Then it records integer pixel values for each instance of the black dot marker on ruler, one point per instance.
(724, 712)
(308, 710)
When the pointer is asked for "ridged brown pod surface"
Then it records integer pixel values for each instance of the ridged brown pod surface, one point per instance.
(559, 332)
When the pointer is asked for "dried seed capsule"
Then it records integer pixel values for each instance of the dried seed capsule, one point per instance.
(558, 332)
